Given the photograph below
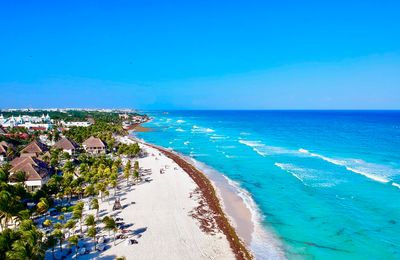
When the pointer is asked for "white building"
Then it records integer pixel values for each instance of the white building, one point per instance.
(26, 121)
(78, 124)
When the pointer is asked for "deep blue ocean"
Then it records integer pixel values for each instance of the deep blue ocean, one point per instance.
(327, 183)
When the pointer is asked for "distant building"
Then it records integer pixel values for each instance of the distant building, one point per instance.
(34, 149)
(77, 124)
(123, 116)
(94, 145)
(67, 145)
(30, 122)
(36, 172)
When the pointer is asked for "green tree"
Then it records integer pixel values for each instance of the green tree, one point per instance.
(73, 241)
(58, 234)
(90, 221)
(77, 214)
(43, 206)
(95, 205)
(92, 233)
(110, 225)
(90, 190)
(5, 211)
(127, 171)
(136, 175)
(29, 246)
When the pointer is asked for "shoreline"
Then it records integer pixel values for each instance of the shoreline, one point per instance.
(166, 212)
(213, 200)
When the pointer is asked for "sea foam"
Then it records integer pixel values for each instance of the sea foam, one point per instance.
(198, 129)
(374, 172)
(265, 150)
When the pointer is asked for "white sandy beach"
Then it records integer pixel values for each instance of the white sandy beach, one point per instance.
(159, 212)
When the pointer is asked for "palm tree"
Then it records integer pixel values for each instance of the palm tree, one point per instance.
(22, 215)
(79, 191)
(28, 247)
(126, 174)
(110, 225)
(77, 214)
(58, 234)
(90, 190)
(95, 205)
(5, 212)
(90, 221)
(92, 233)
(43, 206)
(118, 162)
(100, 188)
(136, 165)
(70, 224)
(136, 175)
(7, 238)
(107, 194)
(114, 185)
(73, 241)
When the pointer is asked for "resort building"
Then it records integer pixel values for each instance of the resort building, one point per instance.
(77, 124)
(67, 145)
(34, 149)
(36, 172)
(94, 145)
(28, 122)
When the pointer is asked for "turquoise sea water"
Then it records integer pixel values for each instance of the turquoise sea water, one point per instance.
(327, 183)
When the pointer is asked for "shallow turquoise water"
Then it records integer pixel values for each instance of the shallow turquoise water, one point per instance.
(326, 182)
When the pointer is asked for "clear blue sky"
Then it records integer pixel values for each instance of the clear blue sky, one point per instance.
(200, 54)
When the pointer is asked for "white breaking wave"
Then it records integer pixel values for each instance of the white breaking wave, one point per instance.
(290, 169)
(179, 130)
(396, 185)
(197, 129)
(309, 177)
(186, 143)
(216, 137)
(255, 145)
(265, 150)
(180, 121)
(374, 172)
(251, 143)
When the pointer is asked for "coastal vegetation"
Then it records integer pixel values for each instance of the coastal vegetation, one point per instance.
(35, 221)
